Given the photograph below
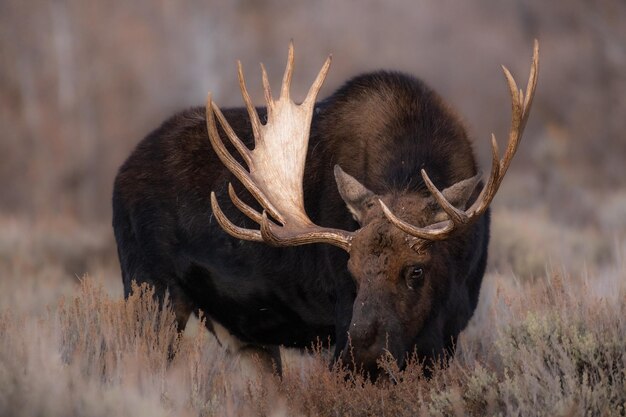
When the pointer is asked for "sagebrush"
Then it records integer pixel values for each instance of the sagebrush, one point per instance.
(553, 347)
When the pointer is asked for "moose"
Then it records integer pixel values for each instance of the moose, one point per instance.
(361, 219)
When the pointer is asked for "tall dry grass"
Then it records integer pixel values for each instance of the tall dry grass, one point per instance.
(555, 345)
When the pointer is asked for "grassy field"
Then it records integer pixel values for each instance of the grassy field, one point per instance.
(544, 341)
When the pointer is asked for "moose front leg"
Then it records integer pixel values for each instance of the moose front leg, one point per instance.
(254, 358)
(267, 358)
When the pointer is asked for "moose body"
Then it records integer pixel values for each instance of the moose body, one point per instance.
(391, 292)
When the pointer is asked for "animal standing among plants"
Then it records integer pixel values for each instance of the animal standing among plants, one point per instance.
(361, 218)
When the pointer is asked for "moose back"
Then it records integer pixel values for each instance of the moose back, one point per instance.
(361, 218)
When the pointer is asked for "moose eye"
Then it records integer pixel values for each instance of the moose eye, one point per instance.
(414, 277)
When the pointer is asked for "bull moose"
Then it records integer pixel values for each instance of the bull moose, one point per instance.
(361, 218)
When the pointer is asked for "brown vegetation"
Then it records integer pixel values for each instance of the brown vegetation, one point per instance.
(94, 355)
(552, 345)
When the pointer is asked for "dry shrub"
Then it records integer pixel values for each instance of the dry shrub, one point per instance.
(320, 390)
(94, 355)
(566, 351)
(612, 212)
(523, 241)
(40, 261)
(35, 381)
(555, 346)
(112, 339)
(27, 246)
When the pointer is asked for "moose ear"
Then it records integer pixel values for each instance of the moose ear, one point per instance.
(353, 193)
(459, 194)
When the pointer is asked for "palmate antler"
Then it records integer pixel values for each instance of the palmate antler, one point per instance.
(276, 166)
(521, 103)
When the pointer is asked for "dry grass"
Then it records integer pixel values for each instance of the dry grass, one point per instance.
(552, 345)
(528, 243)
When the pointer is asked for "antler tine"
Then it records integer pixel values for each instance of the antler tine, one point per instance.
(222, 152)
(456, 215)
(254, 116)
(489, 190)
(532, 80)
(267, 91)
(243, 207)
(311, 96)
(286, 85)
(229, 227)
(238, 144)
(437, 231)
(520, 102)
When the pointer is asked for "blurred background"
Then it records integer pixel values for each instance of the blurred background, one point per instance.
(82, 82)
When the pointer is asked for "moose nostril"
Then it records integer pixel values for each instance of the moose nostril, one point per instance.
(363, 336)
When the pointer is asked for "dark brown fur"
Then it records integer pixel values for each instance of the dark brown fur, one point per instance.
(381, 128)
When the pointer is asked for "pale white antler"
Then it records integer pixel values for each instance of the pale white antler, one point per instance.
(521, 103)
(275, 166)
